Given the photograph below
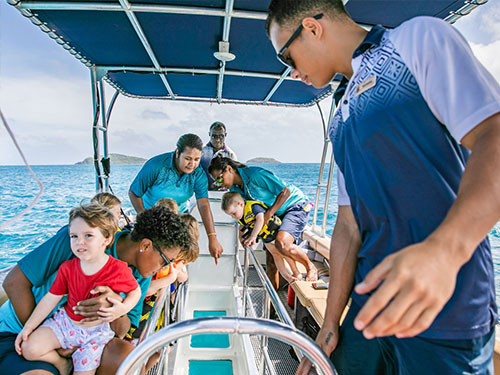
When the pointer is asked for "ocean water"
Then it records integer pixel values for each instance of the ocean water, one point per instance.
(69, 185)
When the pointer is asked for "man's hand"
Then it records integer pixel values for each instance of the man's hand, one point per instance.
(115, 311)
(215, 248)
(89, 308)
(328, 338)
(416, 282)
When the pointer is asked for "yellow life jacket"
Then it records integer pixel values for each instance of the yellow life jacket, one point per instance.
(268, 231)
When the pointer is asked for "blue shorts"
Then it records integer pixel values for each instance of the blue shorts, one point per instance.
(9, 359)
(411, 356)
(295, 218)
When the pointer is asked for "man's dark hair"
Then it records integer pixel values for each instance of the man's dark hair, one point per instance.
(292, 12)
(162, 227)
(189, 140)
(217, 125)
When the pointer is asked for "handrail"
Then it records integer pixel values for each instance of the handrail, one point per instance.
(319, 185)
(227, 325)
(162, 301)
(270, 293)
(280, 308)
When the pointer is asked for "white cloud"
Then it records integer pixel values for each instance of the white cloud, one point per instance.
(52, 117)
(481, 26)
(287, 134)
(488, 55)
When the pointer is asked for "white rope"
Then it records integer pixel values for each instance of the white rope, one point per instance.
(37, 198)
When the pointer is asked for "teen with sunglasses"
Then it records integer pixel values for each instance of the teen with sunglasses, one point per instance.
(285, 200)
(177, 175)
(216, 146)
(415, 138)
(157, 238)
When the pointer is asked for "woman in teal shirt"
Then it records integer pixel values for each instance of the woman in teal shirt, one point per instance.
(177, 175)
(285, 200)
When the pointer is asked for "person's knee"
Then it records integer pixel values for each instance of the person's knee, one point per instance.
(284, 245)
(113, 355)
(30, 351)
(120, 327)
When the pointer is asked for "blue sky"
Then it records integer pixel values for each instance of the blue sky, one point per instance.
(45, 95)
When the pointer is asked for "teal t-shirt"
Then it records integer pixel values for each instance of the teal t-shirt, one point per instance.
(159, 178)
(40, 267)
(262, 185)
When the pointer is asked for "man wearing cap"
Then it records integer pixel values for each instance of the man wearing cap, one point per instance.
(215, 147)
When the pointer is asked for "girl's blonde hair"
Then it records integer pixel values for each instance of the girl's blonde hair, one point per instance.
(192, 254)
(96, 216)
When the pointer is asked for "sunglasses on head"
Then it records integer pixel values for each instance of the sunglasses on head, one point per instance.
(287, 60)
(165, 259)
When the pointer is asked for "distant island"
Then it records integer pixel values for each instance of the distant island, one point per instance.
(116, 159)
(263, 161)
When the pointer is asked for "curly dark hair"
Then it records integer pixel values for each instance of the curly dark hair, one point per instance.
(163, 227)
(290, 13)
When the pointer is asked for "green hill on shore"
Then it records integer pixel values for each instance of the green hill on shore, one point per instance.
(116, 159)
(261, 160)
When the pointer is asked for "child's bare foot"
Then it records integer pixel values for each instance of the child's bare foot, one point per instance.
(312, 273)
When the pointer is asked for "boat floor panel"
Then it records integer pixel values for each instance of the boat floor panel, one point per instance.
(280, 353)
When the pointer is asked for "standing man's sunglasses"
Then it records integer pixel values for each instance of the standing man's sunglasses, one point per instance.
(218, 136)
(287, 60)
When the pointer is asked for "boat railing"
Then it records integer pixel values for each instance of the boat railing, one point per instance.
(270, 297)
(321, 231)
(161, 305)
(227, 325)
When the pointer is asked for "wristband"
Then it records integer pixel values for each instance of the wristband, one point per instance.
(212, 234)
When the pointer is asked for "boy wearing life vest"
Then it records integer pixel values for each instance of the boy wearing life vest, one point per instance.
(250, 215)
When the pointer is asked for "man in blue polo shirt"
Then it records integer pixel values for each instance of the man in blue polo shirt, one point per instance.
(415, 138)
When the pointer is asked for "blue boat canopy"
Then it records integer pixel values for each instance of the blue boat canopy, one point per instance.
(165, 49)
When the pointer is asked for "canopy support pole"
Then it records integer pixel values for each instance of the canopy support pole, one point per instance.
(277, 85)
(328, 185)
(105, 161)
(225, 38)
(95, 127)
(100, 133)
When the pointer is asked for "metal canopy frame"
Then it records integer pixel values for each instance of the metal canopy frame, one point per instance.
(29, 8)
(100, 72)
